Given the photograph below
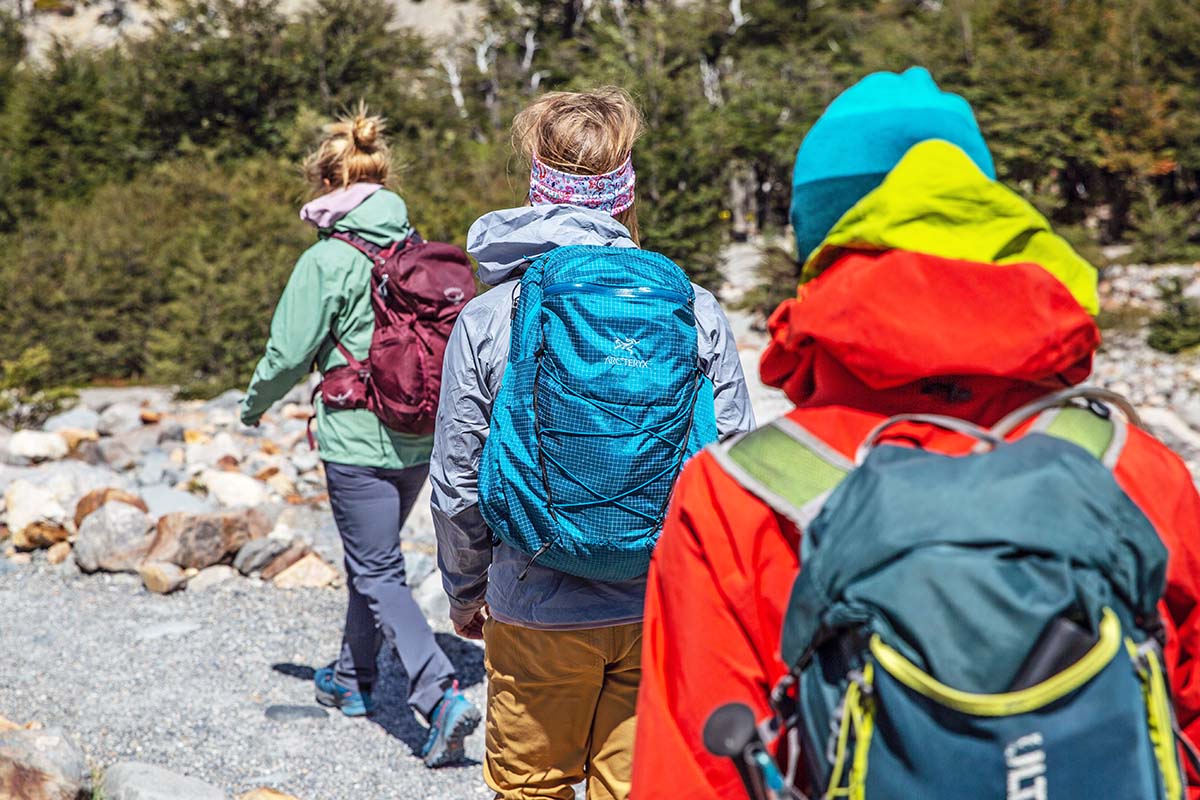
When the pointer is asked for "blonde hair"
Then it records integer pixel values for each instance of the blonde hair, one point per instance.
(354, 150)
(584, 133)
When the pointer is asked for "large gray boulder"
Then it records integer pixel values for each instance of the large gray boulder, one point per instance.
(80, 418)
(120, 417)
(163, 500)
(114, 538)
(42, 765)
(134, 780)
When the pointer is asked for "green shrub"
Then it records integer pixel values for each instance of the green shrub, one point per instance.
(1177, 327)
(29, 390)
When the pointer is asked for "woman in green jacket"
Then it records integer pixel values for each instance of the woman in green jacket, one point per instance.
(374, 473)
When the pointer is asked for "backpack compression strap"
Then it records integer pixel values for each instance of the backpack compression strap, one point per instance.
(786, 466)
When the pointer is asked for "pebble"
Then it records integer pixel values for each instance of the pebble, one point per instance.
(211, 577)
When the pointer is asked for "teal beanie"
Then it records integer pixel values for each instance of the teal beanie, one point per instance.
(863, 133)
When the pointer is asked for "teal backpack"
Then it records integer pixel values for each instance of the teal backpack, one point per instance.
(603, 400)
(981, 626)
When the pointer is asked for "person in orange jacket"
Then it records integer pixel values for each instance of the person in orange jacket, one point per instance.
(930, 288)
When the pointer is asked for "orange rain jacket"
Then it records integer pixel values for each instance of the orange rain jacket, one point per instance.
(876, 334)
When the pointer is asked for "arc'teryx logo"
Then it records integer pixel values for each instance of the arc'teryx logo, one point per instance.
(338, 399)
(626, 346)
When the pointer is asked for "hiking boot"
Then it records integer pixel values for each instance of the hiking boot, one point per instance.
(452, 720)
(331, 693)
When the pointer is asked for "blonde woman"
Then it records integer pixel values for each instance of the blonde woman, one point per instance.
(374, 473)
(563, 651)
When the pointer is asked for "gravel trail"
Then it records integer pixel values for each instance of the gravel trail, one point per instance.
(184, 681)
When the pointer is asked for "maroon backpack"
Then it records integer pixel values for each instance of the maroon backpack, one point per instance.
(418, 289)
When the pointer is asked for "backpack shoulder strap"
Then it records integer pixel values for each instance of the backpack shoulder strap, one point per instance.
(786, 466)
(1100, 425)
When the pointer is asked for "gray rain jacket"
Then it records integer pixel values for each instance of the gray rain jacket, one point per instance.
(473, 571)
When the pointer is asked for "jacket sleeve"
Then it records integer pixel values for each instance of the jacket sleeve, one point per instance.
(464, 542)
(301, 322)
(723, 366)
(706, 587)
(1160, 484)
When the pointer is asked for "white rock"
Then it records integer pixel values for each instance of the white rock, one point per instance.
(211, 577)
(432, 599)
(38, 446)
(132, 780)
(233, 489)
(28, 504)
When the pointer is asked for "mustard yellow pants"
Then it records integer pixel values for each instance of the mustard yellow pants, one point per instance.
(561, 709)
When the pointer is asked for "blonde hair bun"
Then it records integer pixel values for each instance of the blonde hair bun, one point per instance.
(354, 150)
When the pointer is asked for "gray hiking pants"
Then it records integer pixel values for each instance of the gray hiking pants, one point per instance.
(370, 506)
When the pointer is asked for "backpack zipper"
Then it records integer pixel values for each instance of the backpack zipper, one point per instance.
(618, 291)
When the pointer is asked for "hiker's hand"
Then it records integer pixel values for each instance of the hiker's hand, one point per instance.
(469, 624)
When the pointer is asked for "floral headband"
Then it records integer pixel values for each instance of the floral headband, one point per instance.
(611, 192)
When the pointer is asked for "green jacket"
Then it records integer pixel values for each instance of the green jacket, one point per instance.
(330, 290)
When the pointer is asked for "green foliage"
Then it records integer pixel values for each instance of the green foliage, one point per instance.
(778, 276)
(29, 393)
(1177, 328)
(148, 191)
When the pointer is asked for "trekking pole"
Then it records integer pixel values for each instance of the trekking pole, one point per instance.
(732, 732)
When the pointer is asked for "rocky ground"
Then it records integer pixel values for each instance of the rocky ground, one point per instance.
(173, 578)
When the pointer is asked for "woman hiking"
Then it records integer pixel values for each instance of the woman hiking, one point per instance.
(555, 365)
(374, 473)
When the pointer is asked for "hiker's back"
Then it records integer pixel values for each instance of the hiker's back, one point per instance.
(603, 400)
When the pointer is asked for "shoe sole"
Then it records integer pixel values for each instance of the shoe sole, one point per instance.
(452, 751)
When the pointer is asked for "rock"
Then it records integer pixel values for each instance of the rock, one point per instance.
(38, 446)
(201, 540)
(211, 577)
(149, 417)
(133, 780)
(76, 438)
(167, 500)
(310, 572)
(305, 458)
(265, 793)
(228, 400)
(294, 713)
(35, 516)
(232, 489)
(124, 450)
(294, 553)
(98, 497)
(114, 538)
(79, 418)
(42, 765)
(69, 480)
(161, 577)
(281, 484)
(20, 559)
(120, 417)
(211, 452)
(257, 554)
(432, 599)
(58, 552)
(156, 467)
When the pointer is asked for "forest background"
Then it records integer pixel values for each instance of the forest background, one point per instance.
(149, 190)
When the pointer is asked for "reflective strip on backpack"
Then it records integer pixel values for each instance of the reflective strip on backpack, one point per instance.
(786, 467)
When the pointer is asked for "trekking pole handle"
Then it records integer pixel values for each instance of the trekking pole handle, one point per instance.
(732, 732)
(939, 420)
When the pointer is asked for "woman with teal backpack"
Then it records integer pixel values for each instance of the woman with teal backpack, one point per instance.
(572, 392)
(374, 473)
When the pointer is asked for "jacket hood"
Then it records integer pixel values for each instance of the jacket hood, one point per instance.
(374, 213)
(937, 201)
(896, 331)
(504, 242)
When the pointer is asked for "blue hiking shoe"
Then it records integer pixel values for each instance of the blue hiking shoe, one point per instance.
(452, 721)
(331, 693)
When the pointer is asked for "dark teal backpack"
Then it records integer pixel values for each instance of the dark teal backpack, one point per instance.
(982, 626)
